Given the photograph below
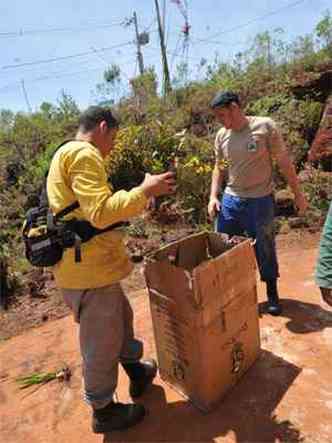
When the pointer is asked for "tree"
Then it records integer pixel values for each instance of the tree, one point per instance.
(268, 48)
(47, 109)
(324, 30)
(109, 90)
(145, 85)
(181, 75)
(6, 120)
(67, 106)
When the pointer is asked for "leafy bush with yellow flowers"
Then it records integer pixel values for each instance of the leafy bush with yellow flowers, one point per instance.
(194, 178)
(154, 148)
(140, 149)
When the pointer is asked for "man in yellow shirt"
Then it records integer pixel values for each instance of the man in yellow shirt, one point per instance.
(91, 286)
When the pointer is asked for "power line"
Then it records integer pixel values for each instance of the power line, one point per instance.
(9, 87)
(66, 57)
(77, 63)
(17, 84)
(172, 54)
(62, 73)
(66, 74)
(215, 42)
(148, 28)
(56, 68)
(25, 95)
(262, 17)
(106, 62)
(21, 32)
(175, 52)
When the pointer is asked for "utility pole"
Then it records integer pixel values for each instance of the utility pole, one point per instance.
(164, 16)
(166, 78)
(139, 52)
(26, 96)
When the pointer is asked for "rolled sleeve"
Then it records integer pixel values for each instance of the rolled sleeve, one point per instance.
(218, 149)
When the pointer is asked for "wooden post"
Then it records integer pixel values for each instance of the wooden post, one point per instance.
(139, 52)
(166, 83)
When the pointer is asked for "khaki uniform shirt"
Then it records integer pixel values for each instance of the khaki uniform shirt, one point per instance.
(247, 154)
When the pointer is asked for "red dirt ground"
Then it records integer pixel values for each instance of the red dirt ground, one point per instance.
(285, 397)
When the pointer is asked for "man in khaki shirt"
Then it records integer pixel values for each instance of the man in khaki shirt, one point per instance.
(91, 287)
(244, 149)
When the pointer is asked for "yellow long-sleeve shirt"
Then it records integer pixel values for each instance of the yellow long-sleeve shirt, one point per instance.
(77, 173)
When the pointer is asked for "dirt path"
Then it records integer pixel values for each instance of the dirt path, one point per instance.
(43, 302)
(285, 397)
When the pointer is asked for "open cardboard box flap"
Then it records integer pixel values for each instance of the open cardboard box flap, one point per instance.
(203, 301)
(202, 264)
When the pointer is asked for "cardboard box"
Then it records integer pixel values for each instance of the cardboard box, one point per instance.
(203, 301)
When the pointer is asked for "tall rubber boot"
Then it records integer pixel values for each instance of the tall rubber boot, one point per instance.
(141, 375)
(273, 305)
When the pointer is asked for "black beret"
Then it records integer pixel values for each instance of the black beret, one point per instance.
(224, 98)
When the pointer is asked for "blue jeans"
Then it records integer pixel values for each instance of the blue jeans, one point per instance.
(252, 217)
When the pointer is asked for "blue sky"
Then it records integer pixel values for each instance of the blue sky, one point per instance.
(87, 36)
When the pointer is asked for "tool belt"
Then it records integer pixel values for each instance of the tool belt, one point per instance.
(47, 235)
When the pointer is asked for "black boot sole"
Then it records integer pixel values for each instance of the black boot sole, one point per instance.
(274, 310)
(107, 427)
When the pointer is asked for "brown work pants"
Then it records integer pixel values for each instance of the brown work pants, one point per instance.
(106, 338)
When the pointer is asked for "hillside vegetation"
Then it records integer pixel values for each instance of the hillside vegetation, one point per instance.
(271, 78)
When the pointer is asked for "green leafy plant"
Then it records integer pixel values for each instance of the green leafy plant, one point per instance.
(41, 378)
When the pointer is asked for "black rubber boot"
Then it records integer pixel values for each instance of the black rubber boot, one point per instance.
(116, 417)
(273, 305)
(141, 375)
